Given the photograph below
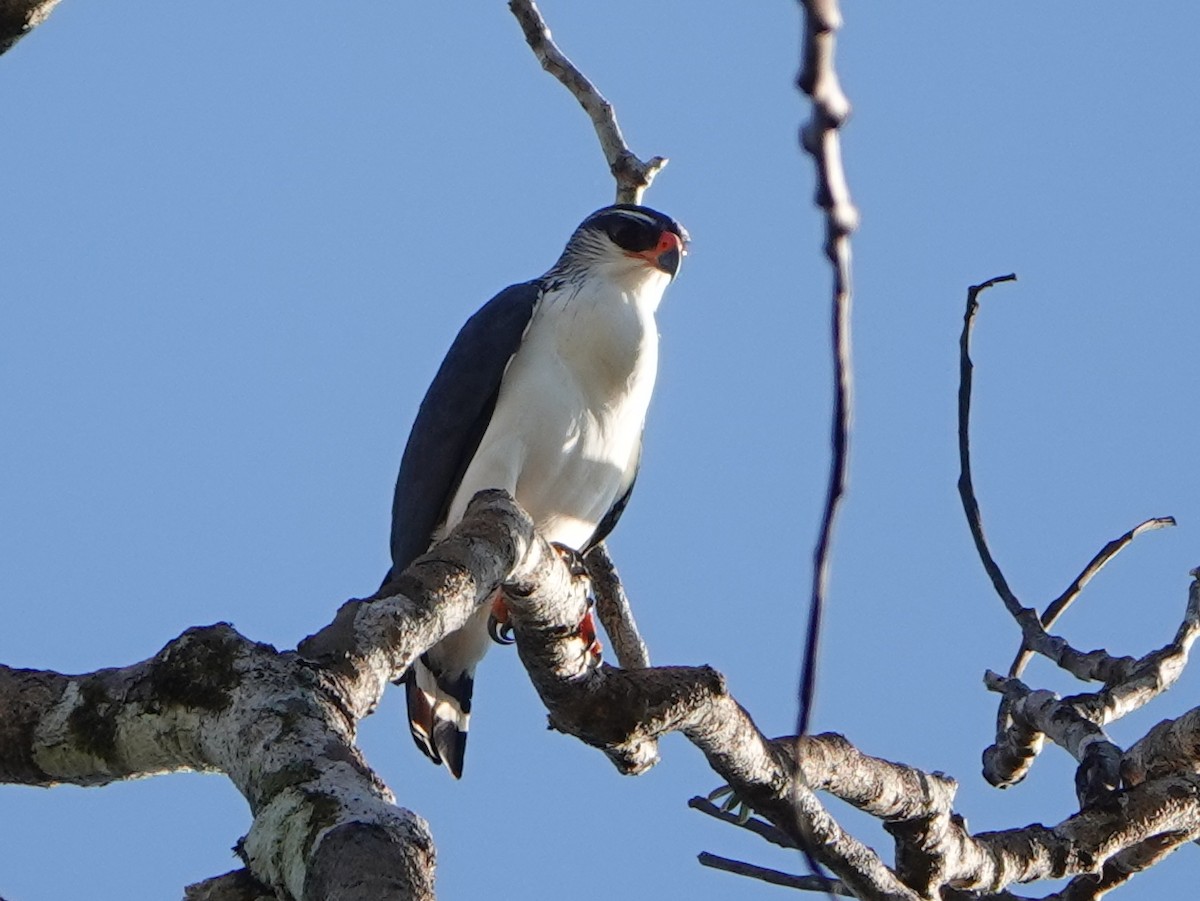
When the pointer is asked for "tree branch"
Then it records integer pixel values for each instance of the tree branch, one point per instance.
(1130, 684)
(820, 137)
(804, 883)
(966, 485)
(613, 610)
(633, 176)
(281, 725)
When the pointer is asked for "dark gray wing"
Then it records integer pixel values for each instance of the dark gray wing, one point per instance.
(453, 417)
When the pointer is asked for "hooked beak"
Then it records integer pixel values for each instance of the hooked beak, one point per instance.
(667, 255)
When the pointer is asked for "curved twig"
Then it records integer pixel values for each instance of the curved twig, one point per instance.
(966, 487)
(1059, 605)
(632, 174)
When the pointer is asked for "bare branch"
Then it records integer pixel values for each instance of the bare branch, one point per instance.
(1009, 759)
(19, 17)
(633, 176)
(1059, 605)
(1120, 868)
(1099, 772)
(966, 486)
(820, 137)
(804, 883)
(614, 611)
(282, 727)
(761, 828)
(1170, 747)
(1131, 684)
(624, 712)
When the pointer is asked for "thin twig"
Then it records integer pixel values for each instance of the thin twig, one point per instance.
(966, 488)
(633, 176)
(820, 138)
(1059, 605)
(804, 883)
(761, 828)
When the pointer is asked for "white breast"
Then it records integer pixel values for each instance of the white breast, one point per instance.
(566, 432)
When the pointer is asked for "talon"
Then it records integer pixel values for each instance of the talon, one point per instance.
(732, 804)
(499, 628)
(719, 792)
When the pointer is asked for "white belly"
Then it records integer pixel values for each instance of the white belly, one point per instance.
(565, 436)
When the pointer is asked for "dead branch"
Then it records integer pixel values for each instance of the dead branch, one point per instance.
(821, 138)
(613, 610)
(763, 874)
(281, 725)
(633, 176)
(1017, 744)
(1060, 604)
(966, 486)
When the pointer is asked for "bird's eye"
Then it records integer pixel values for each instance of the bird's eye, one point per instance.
(631, 235)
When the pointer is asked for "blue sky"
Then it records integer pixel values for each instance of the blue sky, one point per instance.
(237, 240)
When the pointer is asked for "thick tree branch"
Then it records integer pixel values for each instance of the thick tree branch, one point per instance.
(1018, 743)
(282, 726)
(1170, 747)
(633, 176)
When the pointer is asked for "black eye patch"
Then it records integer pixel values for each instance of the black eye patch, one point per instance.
(631, 234)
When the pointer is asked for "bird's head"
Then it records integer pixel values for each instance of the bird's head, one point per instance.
(632, 245)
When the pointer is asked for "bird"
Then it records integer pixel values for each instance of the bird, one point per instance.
(543, 393)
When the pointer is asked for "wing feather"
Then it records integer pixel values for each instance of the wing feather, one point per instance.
(453, 418)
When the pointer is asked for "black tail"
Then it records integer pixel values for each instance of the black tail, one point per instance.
(439, 710)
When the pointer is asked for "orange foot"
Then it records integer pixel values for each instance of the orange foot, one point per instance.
(587, 631)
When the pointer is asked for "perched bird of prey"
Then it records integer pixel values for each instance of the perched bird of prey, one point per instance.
(544, 394)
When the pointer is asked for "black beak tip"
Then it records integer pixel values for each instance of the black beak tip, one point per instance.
(668, 261)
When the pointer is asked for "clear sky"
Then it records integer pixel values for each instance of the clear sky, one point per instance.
(236, 241)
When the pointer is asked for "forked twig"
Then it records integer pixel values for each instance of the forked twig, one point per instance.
(633, 176)
(1059, 605)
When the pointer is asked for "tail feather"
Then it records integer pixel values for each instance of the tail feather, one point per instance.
(439, 711)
